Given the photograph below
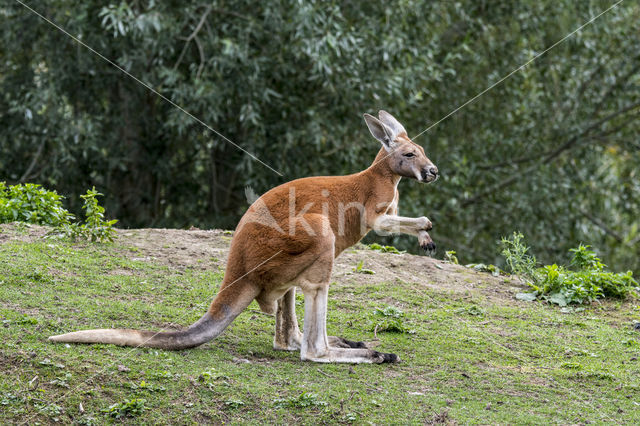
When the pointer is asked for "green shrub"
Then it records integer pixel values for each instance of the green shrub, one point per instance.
(95, 227)
(563, 286)
(32, 204)
(616, 285)
(583, 258)
(585, 280)
(516, 254)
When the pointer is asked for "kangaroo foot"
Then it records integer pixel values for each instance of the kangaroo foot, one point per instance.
(351, 356)
(339, 342)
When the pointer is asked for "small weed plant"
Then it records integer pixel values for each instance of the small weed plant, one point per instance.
(389, 319)
(211, 379)
(145, 386)
(360, 269)
(481, 267)
(304, 400)
(385, 249)
(51, 410)
(233, 403)
(451, 257)
(585, 279)
(95, 227)
(128, 408)
(31, 203)
(517, 257)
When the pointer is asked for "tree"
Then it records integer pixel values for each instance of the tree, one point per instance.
(552, 151)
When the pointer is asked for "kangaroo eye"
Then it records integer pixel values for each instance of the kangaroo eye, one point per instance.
(409, 154)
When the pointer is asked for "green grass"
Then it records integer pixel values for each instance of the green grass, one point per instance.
(471, 359)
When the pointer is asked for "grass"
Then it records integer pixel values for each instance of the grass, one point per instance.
(472, 359)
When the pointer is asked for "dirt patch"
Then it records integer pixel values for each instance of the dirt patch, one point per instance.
(17, 231)
(422, 271)
(121, 271)
(177, 248)
(208, 249)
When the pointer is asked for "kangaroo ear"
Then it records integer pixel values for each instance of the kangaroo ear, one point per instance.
(380, 131)
(391, 121)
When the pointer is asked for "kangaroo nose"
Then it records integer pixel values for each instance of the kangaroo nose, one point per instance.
(433, 170)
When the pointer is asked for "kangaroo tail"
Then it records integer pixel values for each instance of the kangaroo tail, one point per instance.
(224, 309)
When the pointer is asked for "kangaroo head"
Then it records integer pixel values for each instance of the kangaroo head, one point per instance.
(405, 157)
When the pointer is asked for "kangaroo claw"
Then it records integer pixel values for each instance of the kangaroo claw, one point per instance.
(426, 243)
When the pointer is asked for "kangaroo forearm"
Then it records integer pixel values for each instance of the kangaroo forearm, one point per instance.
(400, 224)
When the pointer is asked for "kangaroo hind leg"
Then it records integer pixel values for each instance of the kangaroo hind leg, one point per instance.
(315, 342)
(288, 336)
(314, 281)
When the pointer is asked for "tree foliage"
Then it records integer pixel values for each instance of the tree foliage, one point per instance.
(552, 151)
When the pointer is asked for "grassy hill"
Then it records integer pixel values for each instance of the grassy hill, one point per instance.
(471, 352)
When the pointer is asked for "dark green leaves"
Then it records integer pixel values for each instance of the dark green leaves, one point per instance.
(32, 204)
(585, 280)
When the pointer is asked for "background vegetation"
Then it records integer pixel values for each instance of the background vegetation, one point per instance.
(552, 152)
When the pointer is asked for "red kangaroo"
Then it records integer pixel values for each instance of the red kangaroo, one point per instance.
(289, 238)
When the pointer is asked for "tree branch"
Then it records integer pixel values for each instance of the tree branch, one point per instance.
(193, 35)
(619, 83)
(601, 225)
(202, 57)
(549, 156)
(232, 13)
(553, 154)
(33, 163)
(568, 144)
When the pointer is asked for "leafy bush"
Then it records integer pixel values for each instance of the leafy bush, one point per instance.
(585, 280)
(32, 204)
(389, 319)
(95, 227)
(565, 286)
(583, 258)
(519, 261)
